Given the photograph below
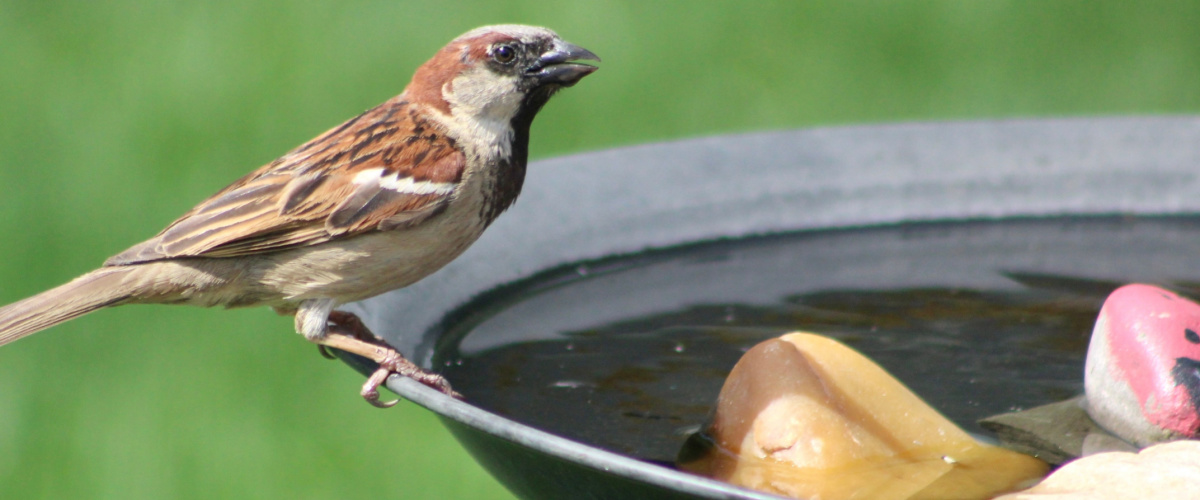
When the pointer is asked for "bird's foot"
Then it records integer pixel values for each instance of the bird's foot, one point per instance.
(395, 363)
(349, 334)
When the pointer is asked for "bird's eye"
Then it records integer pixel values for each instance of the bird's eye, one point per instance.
(504, 54)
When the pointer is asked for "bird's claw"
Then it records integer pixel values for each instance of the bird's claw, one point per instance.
(370, 389)
(393, 362)
(325, 352)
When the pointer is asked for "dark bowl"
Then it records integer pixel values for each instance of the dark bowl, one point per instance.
(627, 200)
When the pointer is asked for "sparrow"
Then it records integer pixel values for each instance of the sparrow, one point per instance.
(374, 204)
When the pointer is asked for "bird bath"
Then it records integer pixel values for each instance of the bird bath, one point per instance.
(590, 326)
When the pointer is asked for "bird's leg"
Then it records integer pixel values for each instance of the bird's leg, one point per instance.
(348, 333)
(356, 327)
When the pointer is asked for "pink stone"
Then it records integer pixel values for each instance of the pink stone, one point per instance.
(1143, 366)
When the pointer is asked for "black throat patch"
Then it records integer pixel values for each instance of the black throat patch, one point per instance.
(510, 173)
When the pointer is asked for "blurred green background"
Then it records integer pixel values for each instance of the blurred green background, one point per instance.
(117, 116)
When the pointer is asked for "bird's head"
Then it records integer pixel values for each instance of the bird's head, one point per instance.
(498, 77)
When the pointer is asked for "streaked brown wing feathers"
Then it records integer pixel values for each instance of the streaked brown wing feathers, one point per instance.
(384, 169)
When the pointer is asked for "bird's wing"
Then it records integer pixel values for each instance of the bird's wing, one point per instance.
(385, 169)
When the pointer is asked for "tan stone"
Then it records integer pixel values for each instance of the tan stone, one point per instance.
(1168, 470)
(807, 417)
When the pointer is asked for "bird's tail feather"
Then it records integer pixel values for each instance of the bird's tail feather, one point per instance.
(103, 287)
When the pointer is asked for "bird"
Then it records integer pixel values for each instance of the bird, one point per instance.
(374, 204)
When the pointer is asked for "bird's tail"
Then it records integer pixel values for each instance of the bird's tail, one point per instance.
(103, 287)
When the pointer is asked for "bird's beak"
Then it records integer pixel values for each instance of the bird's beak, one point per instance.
(555, 66)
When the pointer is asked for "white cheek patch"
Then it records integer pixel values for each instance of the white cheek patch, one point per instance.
(404, 185)
(482, 107)
(482, 94)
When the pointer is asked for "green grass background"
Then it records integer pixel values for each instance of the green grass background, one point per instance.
(117, 116)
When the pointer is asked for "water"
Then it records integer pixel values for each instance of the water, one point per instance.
(629, 353)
